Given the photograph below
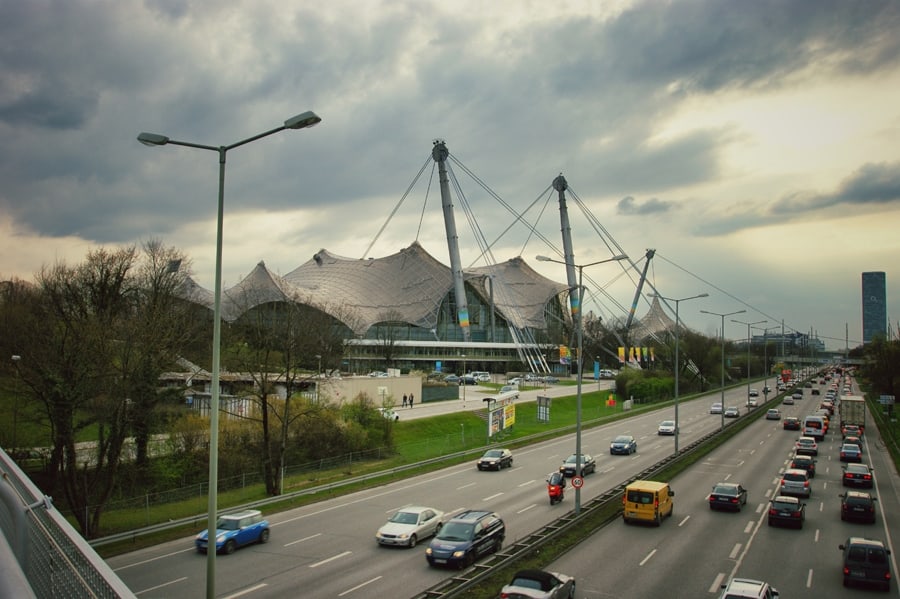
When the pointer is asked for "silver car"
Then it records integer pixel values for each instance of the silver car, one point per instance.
(410, 524)
(538, 584)
(795, 482)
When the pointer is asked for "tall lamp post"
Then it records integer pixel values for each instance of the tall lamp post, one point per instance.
(765, 358)
(15, 440)
(677, 363)
(749, 324)
(301, 121)
(577, 316)
(722, 334)
(462, 379)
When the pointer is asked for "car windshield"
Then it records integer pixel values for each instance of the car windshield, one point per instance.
(795, 476)
(621, 439)
(404, 518)
(456, 531)
(724, 490)
(784, 505)
(668, 423)
(493, 453)
(228, 524)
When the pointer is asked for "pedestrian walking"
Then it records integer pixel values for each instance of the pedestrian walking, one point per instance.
(410, 400)
(404, 400)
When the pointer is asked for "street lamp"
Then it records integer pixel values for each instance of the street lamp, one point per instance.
(677, 369)
(766, 359)
(15, 440)
(577, 316)
(301, 121)
(722, 333)
(749, 324)
(463, 380)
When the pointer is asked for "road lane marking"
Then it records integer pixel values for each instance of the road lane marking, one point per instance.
(159, 586)
(809, 579)
(359, 586)
(735, 551)
(749, 527)
(646, 559)
(330, 559)
(494, 496)
(525, 484)
(717, 583)
(153, 559)
(525, 509)
(246, 591)
(465, 486)
(318, 534)
(684, 521)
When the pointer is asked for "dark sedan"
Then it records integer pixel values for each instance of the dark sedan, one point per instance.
(804, 462)
(791, 423)
(857, 475)
(727, 496)
(588, 465)
(788, 511)
(623, 444)
(857, 506)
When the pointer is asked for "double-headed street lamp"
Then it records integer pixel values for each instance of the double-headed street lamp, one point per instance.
(722, 333)
(749, 324)
(301, 121)
(766, 358)
(677, 369)
(577, 315)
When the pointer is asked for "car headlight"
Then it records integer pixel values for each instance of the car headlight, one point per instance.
(220, 537)
(428, 551)
(403, 536)
(459, 553)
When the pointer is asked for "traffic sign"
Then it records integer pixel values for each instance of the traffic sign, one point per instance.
(577, 482)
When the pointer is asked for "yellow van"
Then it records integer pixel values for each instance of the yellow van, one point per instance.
(647, 500)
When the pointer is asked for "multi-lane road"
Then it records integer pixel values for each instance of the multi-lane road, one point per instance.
(328, 549)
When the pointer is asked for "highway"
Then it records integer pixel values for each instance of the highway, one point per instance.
(328, 549)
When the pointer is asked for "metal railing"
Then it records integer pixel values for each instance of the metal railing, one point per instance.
(49, 559)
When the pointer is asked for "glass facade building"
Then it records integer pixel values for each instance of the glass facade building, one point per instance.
(874, 305)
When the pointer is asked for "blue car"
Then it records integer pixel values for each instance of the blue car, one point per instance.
(623, 444)
(236, 530)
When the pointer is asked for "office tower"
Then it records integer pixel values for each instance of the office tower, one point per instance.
(874, 305)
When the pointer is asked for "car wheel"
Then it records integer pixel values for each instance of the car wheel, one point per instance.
(264, 536)
(412, 541)
(230, 546)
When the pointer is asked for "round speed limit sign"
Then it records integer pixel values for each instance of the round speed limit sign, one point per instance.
(577, 482)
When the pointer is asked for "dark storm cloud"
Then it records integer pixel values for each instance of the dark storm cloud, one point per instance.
(871, 184)
(628, 206)
(581, 95)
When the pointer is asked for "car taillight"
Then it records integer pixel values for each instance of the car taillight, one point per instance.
(773, 512)
(782, 482)
(795, 514)
(867, 476)
(806, 483)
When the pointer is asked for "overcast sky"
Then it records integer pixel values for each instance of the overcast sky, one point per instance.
(753, 145)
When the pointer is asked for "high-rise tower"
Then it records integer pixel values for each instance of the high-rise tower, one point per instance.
(874, 305)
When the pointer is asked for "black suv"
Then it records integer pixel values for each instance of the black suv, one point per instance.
(866, 561)
(466, 537)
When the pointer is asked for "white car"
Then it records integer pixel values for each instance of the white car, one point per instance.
(409, 525)
(716, 408)
(389, 414)
(666, 427)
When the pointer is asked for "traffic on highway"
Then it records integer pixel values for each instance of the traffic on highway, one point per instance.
(330, 549)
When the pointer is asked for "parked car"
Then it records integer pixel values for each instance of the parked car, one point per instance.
(806, 446)
(623, 444)
(804, 462)
(666, 427)
(866, 561)
(495, 459)
(785, 510)
(857, 506)
(389, 414)
(850, 453)
(466, 537)
(452, 379)
(588, 465)
(716, 408)
(748, 588)
(791, 423)
(857, 475)
(551, 380)
(514, 389)
(732, 412)
(727, 496)
(773, 414)
(409, 525)
(235, 530)
(538, 584)
(795, 482)
(467, 379)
